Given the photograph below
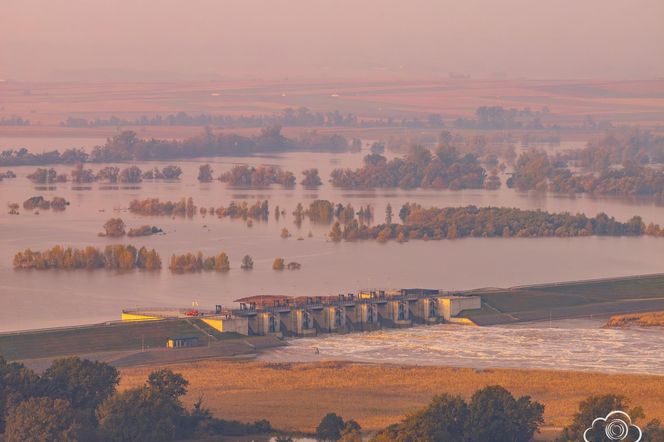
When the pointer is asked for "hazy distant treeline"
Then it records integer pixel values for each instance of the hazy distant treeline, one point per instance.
(300, 117)
(127, 146)
(14, 121)
(615, 164)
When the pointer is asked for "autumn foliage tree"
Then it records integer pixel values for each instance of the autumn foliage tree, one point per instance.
(190, 262)
(261, 176)
(114, 227)
(113, 257)
(470, 221)
(154, 206)
(278, 264)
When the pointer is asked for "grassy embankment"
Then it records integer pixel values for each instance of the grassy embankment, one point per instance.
(573, 299)
(99, 338)
(295, 396)
(557, 300)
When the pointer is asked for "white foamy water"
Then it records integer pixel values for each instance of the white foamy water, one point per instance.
(561, 345)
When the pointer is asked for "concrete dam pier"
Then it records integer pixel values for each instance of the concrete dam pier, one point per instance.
(286, 316)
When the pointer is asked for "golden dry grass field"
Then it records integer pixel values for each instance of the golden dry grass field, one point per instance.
(295, 396)
(647, 319)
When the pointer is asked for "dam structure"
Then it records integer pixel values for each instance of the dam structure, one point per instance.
(306, 316)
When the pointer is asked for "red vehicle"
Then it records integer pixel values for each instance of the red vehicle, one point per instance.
(192, 313)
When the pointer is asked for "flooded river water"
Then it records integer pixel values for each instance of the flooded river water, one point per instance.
(30, 299)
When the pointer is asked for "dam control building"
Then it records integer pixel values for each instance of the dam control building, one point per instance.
(287, 316)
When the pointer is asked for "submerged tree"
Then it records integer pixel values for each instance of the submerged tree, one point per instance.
(205, 173)
(335, 234)
(247, 263)
(109, 174)
(114, 227)
(311, 178)
(278, 264)
(131, 174)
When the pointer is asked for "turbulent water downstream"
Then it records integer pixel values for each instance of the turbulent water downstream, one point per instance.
(560, 345)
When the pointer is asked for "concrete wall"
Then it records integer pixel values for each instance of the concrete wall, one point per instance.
(138, 317)
(465, 303)
(260, 324)
(366, 317)
(330, 319)
(236, 325)
(389, 314)
(354, 316)
(453, 306)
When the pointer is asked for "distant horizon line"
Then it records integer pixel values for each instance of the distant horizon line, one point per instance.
(327, 79)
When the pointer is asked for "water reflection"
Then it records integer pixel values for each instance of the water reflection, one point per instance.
(39, 299)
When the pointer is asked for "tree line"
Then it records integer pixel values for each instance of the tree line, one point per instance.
(260, 210)
(618, 146)
(444, 169)
(324, 212)
(470, 221)
(112, 257)
(537, 170)
(109, 174)
(115, 227)
(185, 207)
(300, 117)
(261, 176)
(190, 262)
(121, 257)
(77, 400)
(498, 117)
(127, 146)
(7, 174)
(493, 414)
(154, 206)
(56, 203)
(14, 120)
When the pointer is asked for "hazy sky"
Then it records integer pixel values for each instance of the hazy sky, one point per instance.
(171, 39)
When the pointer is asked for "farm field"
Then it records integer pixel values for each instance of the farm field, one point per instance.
(46, 105)
(378, 395)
